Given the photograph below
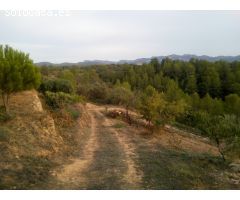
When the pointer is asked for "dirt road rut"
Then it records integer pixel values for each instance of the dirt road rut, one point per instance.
(107, 161)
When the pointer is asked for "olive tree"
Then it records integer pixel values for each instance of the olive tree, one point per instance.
(123, 96)
(152, 104)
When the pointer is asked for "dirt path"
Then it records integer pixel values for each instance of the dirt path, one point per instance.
(72, 175)
(133, 175)
(107, 161)
(114, 155)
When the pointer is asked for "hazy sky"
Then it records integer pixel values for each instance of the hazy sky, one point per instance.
(115, 35)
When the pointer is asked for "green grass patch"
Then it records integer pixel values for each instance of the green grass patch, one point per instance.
(119, 125)
(74, 112)
(168, 169)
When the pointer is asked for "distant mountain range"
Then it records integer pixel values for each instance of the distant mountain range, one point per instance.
(140, 61)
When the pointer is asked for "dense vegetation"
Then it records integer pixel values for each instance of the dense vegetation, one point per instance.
(191, 95)
(198, 93)
(17, 72)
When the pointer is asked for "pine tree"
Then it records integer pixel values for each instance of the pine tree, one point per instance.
(17, 72)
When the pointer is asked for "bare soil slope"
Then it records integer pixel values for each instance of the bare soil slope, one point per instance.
(27, 140)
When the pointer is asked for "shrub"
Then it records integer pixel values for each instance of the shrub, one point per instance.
(75, 113)
(224, 130)
(98, 93)
(232, 104)
(212, 106)
(60, 99)
(57, 85)
(197, 119)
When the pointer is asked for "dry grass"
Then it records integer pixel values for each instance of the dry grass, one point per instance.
(175, 139)
(31, 138)
(43, 150)
(26, 102)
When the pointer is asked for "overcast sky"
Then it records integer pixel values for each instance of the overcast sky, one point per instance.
(115, 35)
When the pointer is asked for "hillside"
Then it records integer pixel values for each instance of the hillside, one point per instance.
(102, 153)
(120, 100)
(27, 140)
(140, 61)
(114, 155)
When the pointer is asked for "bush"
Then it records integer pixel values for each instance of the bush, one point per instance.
(224, 130)
(98, 93)
(232, 104)
(60, 99)
(229, 124)
(75, 113)
(196, 119)
(57, 85)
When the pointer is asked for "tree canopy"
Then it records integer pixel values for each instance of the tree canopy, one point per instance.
(17, 72)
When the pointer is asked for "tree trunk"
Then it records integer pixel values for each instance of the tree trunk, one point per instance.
(149, 126)
(127, 116)
(219, 149)
(5, 99)
(126, 112)
(149, 123)
(222, 155)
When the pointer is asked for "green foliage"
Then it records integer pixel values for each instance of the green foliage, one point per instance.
(152, 103)
(98, 92)
(160, 108)
(195, 101)
(126, 85)
(218, 79)
(173, 92)
(196, 93)
(189, 81)
(198, 119)
(119, 125)
(119, 89)
(223, 129)
(69, 76)
(86, 80)
(210, 105)
(60, 99)
(17, 72)
(121, 96)
(232, 102)
(156, 65)
(57, 85)
(75, 113)
(118, 83)
(229, 127)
